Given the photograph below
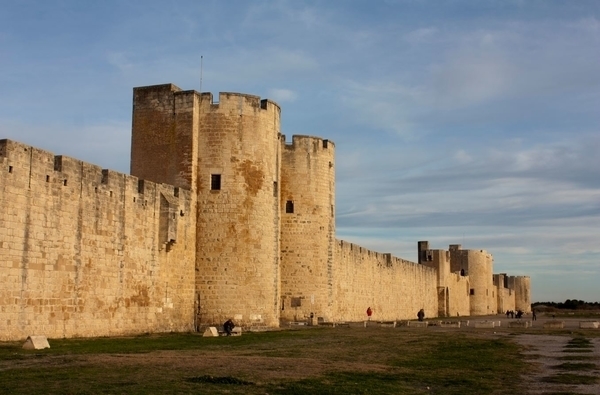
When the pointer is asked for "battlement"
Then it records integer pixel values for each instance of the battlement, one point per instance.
(300, 141)
(238, 103)
(228, 102)
(32, 166)
(354, 249)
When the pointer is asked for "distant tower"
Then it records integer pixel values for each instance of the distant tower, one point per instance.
(522, 287)
(478, 265)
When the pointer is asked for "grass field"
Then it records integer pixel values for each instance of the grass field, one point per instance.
(306, 361)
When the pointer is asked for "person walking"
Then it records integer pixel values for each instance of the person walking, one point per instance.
(369, 313)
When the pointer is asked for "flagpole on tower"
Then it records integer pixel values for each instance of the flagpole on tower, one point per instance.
(201, 64)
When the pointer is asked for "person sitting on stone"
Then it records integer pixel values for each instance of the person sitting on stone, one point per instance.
(421, 315)
(228, 327)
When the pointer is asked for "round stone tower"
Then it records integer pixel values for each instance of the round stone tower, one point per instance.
(522, 286)
(237, 265)
(307, 228)
(478, 265)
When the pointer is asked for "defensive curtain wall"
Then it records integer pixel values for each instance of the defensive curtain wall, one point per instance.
(220, 218)
(91, 252)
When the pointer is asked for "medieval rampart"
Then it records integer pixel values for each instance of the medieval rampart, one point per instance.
(90, 252)
(232, 222)
(394, 288)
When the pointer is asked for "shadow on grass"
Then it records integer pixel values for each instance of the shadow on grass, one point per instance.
(572, 379)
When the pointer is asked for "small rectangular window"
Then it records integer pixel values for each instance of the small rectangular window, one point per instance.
(10, 169)
(289, 207)
(65, 182)
(472, 292)
(47, 178)
(215, 182)
(274, 188)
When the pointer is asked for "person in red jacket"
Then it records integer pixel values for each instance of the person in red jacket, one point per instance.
(369, 313)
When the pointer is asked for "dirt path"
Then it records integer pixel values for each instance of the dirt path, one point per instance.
(555, 360)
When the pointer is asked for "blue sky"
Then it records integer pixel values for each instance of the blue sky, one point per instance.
(458, 122)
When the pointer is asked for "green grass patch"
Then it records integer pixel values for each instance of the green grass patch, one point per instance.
(356, 361)
(571, 379)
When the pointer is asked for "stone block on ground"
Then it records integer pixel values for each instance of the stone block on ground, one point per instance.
(417, 324)
(486, 324)
(211, 331)
(519, 324)
(36, 343)
(449, 324)
(554, 324)
(589, 324)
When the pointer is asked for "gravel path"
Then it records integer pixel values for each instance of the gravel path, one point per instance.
(548, 353)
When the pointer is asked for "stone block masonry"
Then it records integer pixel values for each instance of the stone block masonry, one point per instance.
(83, 252)
(221, 218)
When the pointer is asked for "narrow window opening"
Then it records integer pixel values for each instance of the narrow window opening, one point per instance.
(96, 189)
(289, 207)
(134, 199)
(274, 188)
(47, 178)
(472, 292)
(181, 213)
(110, 193)
(176, 192)
(215, 182)
(65, 182)
(10, 169)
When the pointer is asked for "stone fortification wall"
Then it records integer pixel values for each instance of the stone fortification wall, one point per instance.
(522, 289)
(505, 295)
(307, 227)
(453, 289)
(90, 252)
(458, 295)
(392, 287)
(238, 228)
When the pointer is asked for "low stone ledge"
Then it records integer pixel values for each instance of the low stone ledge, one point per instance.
(519, 324)
(297, 323)
(589, 324)
(487, 324)
(387, 324)
(555, 324)
(449, 324)
(417, 324)
(335, 324)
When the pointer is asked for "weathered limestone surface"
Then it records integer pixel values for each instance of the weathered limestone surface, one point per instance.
(221, 218)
